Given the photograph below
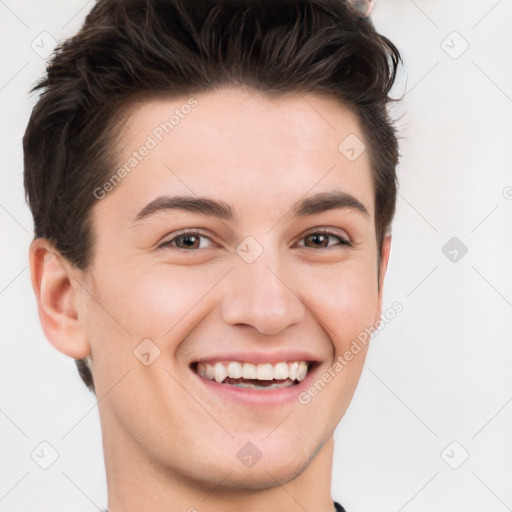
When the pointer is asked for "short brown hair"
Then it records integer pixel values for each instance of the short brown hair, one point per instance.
(126, 47)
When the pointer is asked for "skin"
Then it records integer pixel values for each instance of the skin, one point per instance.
(170, 444)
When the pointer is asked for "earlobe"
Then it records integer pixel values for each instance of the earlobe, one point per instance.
(56, 292)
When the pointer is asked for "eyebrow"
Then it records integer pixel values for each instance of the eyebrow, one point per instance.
(318, 203)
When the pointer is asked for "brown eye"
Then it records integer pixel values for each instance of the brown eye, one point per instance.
(186, 241)
(321, 239)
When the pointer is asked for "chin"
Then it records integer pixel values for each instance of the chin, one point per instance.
(277, 465)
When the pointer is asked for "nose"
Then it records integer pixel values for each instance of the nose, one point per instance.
(261, 294)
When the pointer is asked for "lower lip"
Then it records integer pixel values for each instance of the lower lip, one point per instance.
(255, 397)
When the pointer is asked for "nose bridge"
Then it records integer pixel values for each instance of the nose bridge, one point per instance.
(260, 292)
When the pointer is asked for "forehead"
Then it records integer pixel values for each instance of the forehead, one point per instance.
(241, 145)
(231, 115)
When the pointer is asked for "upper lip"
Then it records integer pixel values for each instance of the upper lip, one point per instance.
(256, 357)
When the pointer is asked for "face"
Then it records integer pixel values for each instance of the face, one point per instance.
(267, 259)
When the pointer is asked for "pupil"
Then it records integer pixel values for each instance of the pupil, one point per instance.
(318, 238)
(188, 240)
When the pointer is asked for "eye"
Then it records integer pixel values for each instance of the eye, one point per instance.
(191, 240)
(320, 239)
(187, 241)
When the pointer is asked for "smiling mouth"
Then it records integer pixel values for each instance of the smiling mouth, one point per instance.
(254, 376)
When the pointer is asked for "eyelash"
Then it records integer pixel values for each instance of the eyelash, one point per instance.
(342, 241)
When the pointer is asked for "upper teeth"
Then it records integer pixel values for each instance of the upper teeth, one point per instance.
(280, 371)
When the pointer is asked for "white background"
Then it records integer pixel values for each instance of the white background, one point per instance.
(439, 373)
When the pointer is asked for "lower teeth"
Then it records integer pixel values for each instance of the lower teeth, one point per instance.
(240, 383)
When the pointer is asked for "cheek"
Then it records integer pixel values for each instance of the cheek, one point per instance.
(344, 301)
(162, 305)
(154, 302)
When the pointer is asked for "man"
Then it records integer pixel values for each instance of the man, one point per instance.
(212, 185)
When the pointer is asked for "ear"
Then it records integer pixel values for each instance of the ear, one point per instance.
(57, 291)
(384, 259)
